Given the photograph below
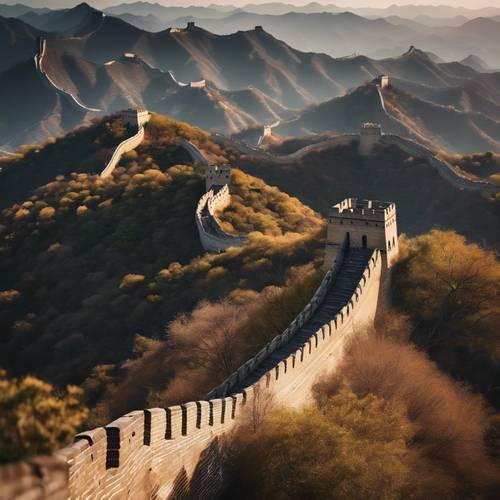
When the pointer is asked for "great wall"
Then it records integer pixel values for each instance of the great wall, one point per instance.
(42, 42)
(175, 452)
(135, 119)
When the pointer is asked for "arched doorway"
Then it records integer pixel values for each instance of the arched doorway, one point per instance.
(364, 241)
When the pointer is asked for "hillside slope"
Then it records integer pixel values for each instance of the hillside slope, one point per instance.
(116, 85)
(423, 198)
(84, 252)
(18, 41)
(31, 109)
(403, 113)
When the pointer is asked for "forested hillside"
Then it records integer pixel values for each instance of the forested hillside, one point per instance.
(91, 266)
(424, 199)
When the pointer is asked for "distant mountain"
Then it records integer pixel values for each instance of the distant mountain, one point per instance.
(147, 23)
(255, 59)
(122, 83)
(161, 12)
(375, 37)
(18, 41)
(403, 113)
(440, 21)
(78, 21)
(476, 63)
(30, 109)
(347, 32)
(19, 9)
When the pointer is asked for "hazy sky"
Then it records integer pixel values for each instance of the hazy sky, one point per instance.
(340, 3)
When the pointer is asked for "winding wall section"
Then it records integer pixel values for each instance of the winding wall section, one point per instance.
(446, 170)
(213, 238)
(122, 148)
(39, 65)
(175, 452)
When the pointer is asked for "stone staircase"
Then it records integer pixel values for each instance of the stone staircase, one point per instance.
(341, 291)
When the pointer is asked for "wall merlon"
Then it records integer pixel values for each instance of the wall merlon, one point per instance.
(189, 418)
(174, 422)
(158, 424)
(202, 414)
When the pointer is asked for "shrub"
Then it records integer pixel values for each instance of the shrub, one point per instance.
(36, 419)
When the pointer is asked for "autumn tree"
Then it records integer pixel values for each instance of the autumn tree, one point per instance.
(35, 418)
(450, 289)
(348, 447)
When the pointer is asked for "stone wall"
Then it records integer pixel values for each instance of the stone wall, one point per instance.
(175, 452)
(122, 148)
(213, 238)
(445, 170)
(42, 47)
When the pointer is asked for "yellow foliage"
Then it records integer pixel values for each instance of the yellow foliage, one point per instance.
(9, 296)
(47, 213)
(34, 419)
(130, 280)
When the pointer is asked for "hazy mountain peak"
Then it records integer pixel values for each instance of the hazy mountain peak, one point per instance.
(475, 62)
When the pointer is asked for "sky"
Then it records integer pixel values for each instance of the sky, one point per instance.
(471, 4)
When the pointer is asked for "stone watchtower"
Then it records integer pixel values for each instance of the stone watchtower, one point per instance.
(135, 117)
(366, 224)
(218, 175)
(382, 81)
(371, 133)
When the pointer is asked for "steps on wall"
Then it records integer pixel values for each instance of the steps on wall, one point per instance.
(340, 293)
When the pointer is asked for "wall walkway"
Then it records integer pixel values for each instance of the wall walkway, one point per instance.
(445, 170)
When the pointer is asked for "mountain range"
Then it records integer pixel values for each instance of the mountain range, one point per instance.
(96, 64)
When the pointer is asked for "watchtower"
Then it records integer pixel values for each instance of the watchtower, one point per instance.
(365, 224)
(190, 25)
(371, 133)
(135, 117)
(218, 175)
(382, 81)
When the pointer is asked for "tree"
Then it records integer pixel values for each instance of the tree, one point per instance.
(347, 448)
(450, 290)
(35, 418)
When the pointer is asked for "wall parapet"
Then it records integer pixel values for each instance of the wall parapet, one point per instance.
(305, 315)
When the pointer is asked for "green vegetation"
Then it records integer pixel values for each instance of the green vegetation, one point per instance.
(450, 290)
(35, 418)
